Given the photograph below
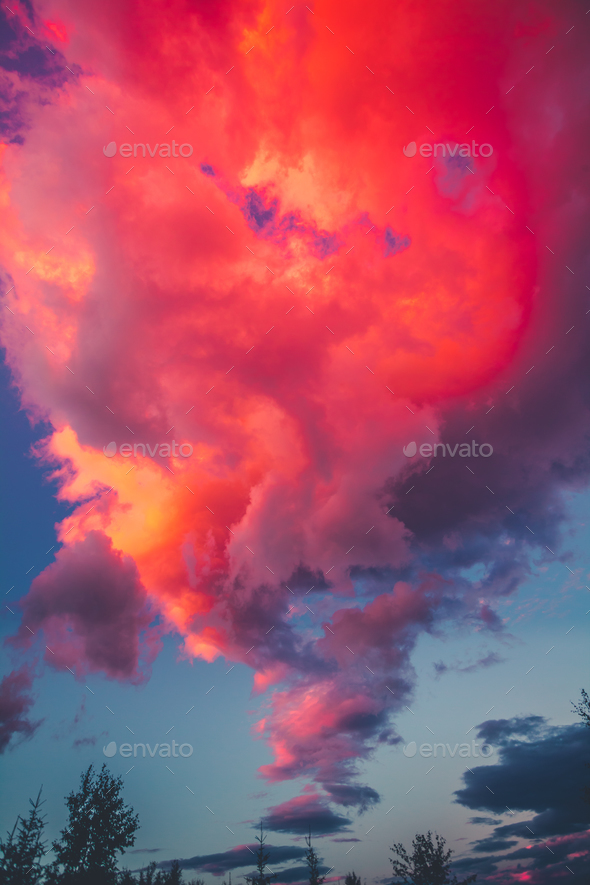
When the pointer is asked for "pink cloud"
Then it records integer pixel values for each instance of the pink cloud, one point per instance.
(92, 610)
(157, 306)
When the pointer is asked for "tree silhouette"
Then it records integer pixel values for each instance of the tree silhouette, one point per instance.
(152, 876)
(175, 874)
(22, 852)
(100, 826)
(149, 876)
(582, 708)
(352, 879)
(429, 863)
(313, 862)
(262, 856)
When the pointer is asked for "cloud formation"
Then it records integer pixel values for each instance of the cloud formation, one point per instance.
(300, 814)
(241, 856)
(488, 660)
(236, 300)
(92, 609)
(15, 702)
(28, 76)
(527, 747)
(541, 769)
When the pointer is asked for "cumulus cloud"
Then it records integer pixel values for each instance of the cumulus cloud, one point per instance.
(92, 609)
(242, 306)
(15, 702)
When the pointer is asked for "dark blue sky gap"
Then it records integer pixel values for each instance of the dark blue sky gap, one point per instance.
(262, 214)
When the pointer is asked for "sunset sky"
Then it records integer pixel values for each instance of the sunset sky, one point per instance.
(295, 390)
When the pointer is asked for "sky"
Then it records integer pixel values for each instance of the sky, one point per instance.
(296, 453)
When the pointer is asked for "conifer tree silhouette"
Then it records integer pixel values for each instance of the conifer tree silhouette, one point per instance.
(262, 856)
(22, 851)
(313, 862)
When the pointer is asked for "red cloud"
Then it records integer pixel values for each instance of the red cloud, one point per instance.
(144, 305)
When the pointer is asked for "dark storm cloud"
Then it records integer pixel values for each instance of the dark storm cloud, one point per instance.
(541, 769)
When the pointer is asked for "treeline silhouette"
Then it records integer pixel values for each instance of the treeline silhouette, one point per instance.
(100, 827)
